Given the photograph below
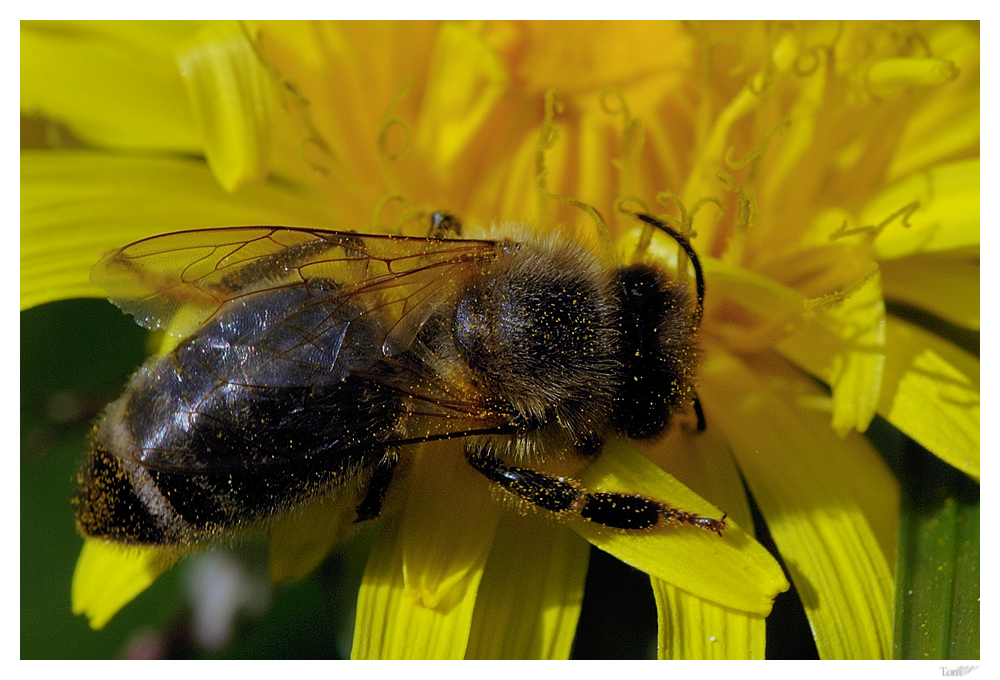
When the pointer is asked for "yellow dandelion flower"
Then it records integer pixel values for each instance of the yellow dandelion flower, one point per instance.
(826, 173)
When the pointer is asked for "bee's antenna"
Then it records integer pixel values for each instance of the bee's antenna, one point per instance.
(686, 245)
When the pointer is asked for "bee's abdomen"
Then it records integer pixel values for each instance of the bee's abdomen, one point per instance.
(221, 476)
(109, 504)
(120, 500)
(253, 414)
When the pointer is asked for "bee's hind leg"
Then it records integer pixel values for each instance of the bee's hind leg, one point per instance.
(370, 506)
(565, 496)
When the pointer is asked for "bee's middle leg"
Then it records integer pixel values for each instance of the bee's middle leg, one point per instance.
(370, 506)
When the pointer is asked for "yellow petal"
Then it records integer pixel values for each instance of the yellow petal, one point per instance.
(465, 82)
(419, 588)
(947, 287)
(231, 96)
(945, 125)
(582, 56)
(945, 128)
(750, 312)
(947, 217)
(337, 92)
(931, 392)
(301, 540)
(391, 623)
(114, 84)
(109, 575)
(76, 206)
(856, 374)
(530, 596)
(704, 464)
(930, 388)
(733, 569)
(816, 491)
(747, 311)
(448, 523)
(693, 628)
(689, 626)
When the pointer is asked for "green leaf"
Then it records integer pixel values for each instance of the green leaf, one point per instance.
(937, 574)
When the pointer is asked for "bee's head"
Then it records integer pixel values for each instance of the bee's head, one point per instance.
(657, 351)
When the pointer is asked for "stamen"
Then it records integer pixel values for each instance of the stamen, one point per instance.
(686, 223)
(377, 225)
(633, 130)
(646, 237)
(755, 155)
(746, 212)
(546, 140)
(389, 121)
(875, 229)
(816, 52)
(298, 106)
(921, 41)
(809, 61)
(549, 134)
(837, 297)
(411, 215)
(599, 223)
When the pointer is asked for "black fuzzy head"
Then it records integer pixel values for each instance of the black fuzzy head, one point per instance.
(656, 351)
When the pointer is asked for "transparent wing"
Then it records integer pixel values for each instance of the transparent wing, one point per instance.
(304, 345)
(178, 281)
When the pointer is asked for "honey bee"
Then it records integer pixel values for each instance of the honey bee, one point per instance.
(311, 360)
